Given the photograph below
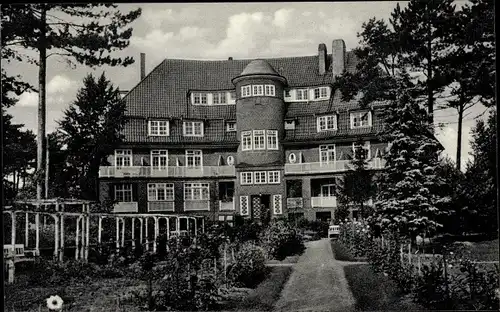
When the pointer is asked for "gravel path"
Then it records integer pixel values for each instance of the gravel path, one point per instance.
(317, 282)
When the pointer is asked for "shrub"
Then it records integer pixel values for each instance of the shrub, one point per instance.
(249, 268)
(280, 241)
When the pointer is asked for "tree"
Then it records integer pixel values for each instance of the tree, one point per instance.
(479, 190)
(80, 33)
(93, 124)
(470, 64)
(408, 197)
(356, 187)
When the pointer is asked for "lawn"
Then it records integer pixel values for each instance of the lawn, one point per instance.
(264, 296)
(341, 253)
(375, 291)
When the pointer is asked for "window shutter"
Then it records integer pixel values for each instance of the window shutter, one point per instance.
(244, 209)
(277, 205)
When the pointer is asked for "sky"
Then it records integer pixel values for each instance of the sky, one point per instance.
(219, 31)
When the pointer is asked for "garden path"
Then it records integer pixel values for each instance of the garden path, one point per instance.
(317, 282)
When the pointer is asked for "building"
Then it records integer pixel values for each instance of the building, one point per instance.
(240, 137)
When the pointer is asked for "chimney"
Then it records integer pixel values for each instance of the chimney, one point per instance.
(338, 57)
(143, 65)
(230, 58)
(322, 58)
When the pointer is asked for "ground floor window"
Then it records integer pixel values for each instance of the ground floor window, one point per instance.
(123, 192)
(196, 191)
(160, 191)
(227, 218)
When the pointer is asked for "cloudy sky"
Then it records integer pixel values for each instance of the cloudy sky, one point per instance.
(218, 31)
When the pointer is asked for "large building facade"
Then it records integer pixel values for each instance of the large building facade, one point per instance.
(256, 138)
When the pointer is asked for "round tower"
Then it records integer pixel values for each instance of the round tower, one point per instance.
(260, 113)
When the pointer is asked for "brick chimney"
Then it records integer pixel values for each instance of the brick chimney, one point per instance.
(338, 57)
(143, 65)
(321, 58)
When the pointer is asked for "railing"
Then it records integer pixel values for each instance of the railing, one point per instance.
(154, 206)
(294, 203)
(196, 205)
(334, 166)
(174, 171)
(224, 206)
(323, 202)
(125, 207)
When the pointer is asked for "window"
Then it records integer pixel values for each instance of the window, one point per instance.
(193, 158)
(287, 93)
(196, 191)
(246, 91)
(260, 177)
(246, 140)
(158, 127)
(327, 153)
(193, 128)
(326, 123)
(246, 178)
(270, 91)
(159, 158)
(123, 193)
(320, 93)
(272, 139)
(289, 124)
(302, 95)
(366, 146)
(273, 177)
(196, 98)
(328, 190)
(259, 139)
(361, 119)
(219, 98)
(292, 158)
(160, 191)
(230, 126)
(230, 160)
(203, 98)
(258, 90)
(123, 158)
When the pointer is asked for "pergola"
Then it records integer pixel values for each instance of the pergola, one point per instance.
(58, 210)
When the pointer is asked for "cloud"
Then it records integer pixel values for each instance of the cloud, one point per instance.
(59, 84)
(155, 18)
(282, 17)
(448, 138)
(28, 99)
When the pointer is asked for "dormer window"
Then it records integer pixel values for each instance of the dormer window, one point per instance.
(219, 98)
(270, 90)
(231, 126)
(366, 146)
(289, 124)
(287, 94)
(200, 98)
(327, 123)
(158, 128)
(321, 93)
(258, 90)
(193, 128)
(246, 91)
(301, 95)
(361, 119)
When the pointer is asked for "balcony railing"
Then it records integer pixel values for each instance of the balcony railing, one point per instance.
(325, 167)
(323, 202)
(154, 206)
(294, 203)
(226, 205)
(125, 207)
(174, 171)
(197, 205)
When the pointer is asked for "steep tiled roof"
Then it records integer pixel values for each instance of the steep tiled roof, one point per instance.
(164, 93)
(258, 67)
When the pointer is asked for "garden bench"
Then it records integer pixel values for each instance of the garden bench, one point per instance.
(12, 255)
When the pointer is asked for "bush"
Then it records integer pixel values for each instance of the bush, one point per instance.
(249, 268)
(280, 241)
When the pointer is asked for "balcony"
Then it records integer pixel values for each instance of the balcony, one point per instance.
(197, 205)
(160, 206)
(328, 167)
(226, 205)
(323, 202)
(294, 203)
(121, 207)
(176, 172)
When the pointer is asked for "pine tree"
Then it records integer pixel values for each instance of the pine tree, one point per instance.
(79, 33)
(408, 194)
(356, 186)
(93, 124)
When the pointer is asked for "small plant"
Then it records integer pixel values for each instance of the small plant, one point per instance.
(280, 241)
(249, 269)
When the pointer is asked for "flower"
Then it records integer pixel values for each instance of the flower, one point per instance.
(497, 293)
(450, 266)
(54, 303)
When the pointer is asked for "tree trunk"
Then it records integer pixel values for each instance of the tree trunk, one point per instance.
(459, 134)
(41, 147)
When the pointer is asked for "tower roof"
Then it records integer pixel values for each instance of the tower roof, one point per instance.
(258, 67)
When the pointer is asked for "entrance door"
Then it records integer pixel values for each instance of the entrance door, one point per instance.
(260, 207)
(323, 216)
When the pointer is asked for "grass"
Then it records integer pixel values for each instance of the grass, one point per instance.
(341, 253)
(265, 295)
(375, 291)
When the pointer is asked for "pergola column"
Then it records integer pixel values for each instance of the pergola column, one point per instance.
(117, 234)
(187, 226)
(99, 231)
(147, 240)
(61, 250)
(156, 234)
(13, 229)
(26, 231)
(77, 237)
(82, 238)
(87, 237)
(195, 227)
(178, 226)
(141, 231)
(123, 231)
(37, 234)
(168, 227)
(56, 236)
(133, 232)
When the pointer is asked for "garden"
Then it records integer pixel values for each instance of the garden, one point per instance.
(225, 268)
